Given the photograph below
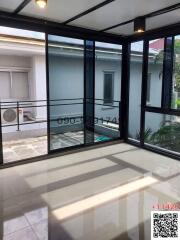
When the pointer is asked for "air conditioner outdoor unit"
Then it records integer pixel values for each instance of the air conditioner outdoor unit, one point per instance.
(9, 116)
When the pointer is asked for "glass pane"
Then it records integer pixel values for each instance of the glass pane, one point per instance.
(107, 90)
(176, 75)
(136, 59)
(155, 72)
(66, 90)
(23, 94)
(163, 131)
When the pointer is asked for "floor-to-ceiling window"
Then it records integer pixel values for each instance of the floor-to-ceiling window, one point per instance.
(154, 116)
(162, 116)
(66, 91)
(22, 94)
(135, 84)
(84, 93)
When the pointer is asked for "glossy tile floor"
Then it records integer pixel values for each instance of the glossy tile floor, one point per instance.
(104, 193)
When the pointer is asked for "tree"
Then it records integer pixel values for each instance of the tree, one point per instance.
(159, 59)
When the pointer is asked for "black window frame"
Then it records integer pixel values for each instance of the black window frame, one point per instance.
(35, 24)
(165, 107)
(52, 28)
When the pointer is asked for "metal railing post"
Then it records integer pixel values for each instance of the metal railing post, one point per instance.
(84, 119)
(1, 145)
(18, 128)
(120, 117)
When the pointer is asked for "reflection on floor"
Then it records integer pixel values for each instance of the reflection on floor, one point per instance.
(105, 193)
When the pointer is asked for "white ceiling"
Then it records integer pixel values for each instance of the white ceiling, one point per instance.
(107, 16)
(127, 29)
(151, 23)
(163, 20)
(120, 11)
(59, 10)
(9, 5)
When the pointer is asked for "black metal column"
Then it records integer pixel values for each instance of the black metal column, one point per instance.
(124, 110)
(89, 90)
(47, 93)
(167, 72)
(1, 145)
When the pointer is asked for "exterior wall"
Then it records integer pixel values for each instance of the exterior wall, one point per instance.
(10, 61)
(156, 85)
(38, 85)
(66, 76)
(114, 66)
(35, 66)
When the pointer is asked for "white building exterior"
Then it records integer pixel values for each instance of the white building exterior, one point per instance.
(23, 78)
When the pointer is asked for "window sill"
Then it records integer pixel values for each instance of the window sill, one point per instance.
(148, 104)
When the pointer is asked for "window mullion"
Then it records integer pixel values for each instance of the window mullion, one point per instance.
(167, 73)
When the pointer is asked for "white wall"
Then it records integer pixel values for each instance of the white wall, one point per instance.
(15, 61)
(38, 85)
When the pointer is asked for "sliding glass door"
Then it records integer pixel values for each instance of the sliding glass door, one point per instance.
(23, 110)
(107, 91)
(66, 90)
(84, 79)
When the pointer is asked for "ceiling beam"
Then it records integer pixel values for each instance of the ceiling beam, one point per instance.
(149, 15)
(36, 24)
(100, 5)
(21, 6)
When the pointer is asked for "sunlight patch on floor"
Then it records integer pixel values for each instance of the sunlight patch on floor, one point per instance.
(102, 198)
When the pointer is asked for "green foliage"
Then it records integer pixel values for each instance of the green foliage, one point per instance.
(168, 136)
(177, 46)
(147, 134)
(177, 73)
(177, 64)
(159, 59)
(178, 103)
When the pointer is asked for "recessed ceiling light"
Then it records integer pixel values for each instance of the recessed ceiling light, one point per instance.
(139, 25)
(41, 3)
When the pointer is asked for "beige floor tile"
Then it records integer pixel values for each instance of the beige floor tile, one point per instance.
(24, 234)
(75, 192)
(155, 163)
(62, 174)
(31, 194)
